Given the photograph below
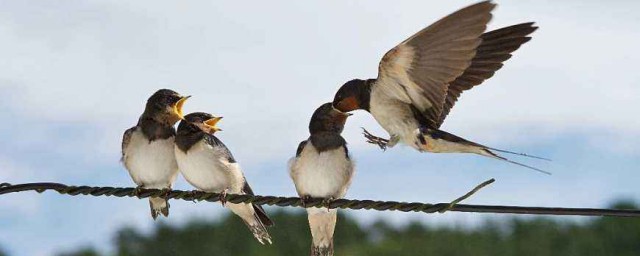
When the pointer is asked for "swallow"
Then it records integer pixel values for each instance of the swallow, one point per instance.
(322, 168)
(207, 164)
(147, 148)
(420, 80)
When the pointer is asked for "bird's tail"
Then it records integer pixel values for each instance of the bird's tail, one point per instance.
(253, 218)
(486, 151)
(322, 223)
(438, 141)
(158, 206)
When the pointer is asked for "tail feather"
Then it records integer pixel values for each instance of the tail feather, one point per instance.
(259, 231)
(159, 206)
(326, 250)
(516, 153)
(253, 219)
(438, 141)
(262, 215)
(489, 153)
(322, 223)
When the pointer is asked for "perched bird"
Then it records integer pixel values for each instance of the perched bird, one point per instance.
(147, 148)
(420, 80)
(208, 165)
(322, 168)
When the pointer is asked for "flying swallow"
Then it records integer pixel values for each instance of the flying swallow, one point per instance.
(420, 80)
(207, 164)
(322, 168)
(147, 148)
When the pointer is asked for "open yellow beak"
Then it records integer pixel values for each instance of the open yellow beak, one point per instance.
(177, 108)
(211, 123)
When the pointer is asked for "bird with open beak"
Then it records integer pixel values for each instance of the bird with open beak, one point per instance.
(322, 168)
(147, 148)
(421, 79)
(207, 164)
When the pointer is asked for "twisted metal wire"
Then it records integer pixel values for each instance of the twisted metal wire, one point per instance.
(6, 188)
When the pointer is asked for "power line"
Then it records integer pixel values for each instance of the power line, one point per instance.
(6, 188)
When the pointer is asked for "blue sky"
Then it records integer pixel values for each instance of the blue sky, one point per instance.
(76, 75)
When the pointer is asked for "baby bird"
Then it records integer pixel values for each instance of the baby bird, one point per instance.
(207, 164)
(147, 148)
(322, 169)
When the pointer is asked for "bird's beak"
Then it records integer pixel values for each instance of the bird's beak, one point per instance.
(177, 108)
(347, 114)
(211, 123)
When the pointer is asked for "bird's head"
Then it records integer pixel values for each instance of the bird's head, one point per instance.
(165, 106)
(351, 96)
(200, 121)
(327, 119)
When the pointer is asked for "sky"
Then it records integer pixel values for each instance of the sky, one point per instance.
(76, 74)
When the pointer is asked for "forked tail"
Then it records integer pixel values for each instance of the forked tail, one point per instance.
(259, 231)
(519, 154)
(439, 141)
(158, 206)
(253, 218)
(487, 152)
(322, 223)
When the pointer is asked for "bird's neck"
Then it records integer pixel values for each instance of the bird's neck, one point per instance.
(154, 130)
(186, 139)
(364, 95)
(324, 141)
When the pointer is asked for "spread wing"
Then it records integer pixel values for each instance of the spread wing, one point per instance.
(419, 70)
(496, 47)
(126, 137)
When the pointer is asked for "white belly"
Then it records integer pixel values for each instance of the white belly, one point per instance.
(395, 117)
(152, 165)
(208, 169)
(326, 174)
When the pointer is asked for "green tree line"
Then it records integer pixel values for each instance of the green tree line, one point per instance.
(515, 236)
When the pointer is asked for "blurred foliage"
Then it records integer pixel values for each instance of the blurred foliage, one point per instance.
(520, 236)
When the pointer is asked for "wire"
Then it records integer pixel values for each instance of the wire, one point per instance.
(6, 188)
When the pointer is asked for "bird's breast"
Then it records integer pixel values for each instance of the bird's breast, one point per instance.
(208, 168)
(393, 115)
(321, 174)
(152, 164)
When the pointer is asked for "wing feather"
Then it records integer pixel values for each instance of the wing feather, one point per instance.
(496, 47)
(419, 70)
(126, 137)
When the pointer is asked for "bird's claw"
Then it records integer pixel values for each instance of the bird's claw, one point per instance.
(304, 200)
(380, 142)
(193, 194)
(223, 197)
(327, 201)
(137, 190)
(165, 193)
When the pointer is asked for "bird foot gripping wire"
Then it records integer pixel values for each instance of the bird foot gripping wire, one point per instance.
(137, 191)
(193, 194)
(304, 200)
(327, 202)
(380, 142)
(165, 193)
(223, 197)
(465, 196)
